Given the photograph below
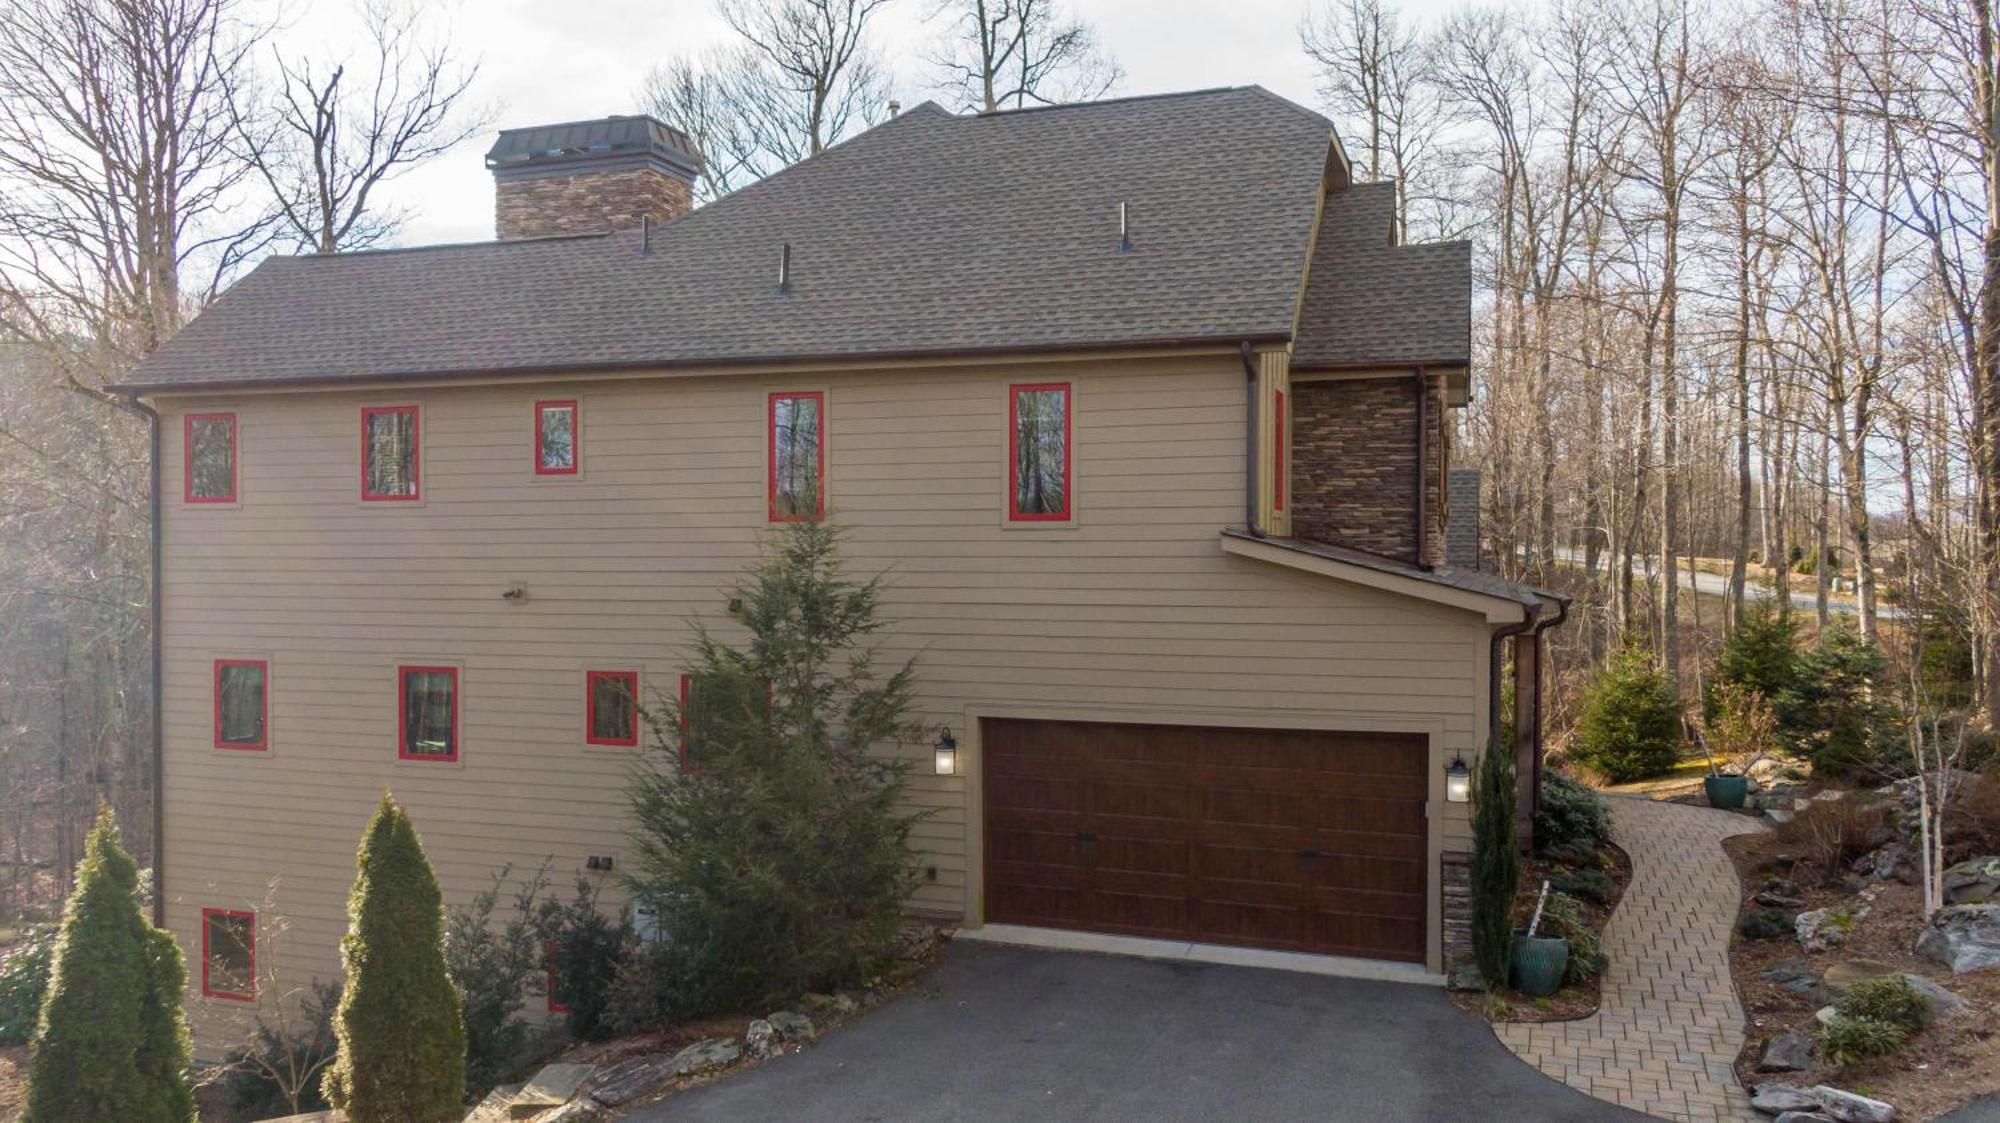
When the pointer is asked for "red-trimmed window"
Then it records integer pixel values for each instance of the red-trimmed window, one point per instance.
(552, 962)
(558, 438)
(242, 704)
(389, 460)
(797, 434)
(1038, 452)
(427, 713)
(1278, 452)
(229, 954)
(208, 458)
(611, 707)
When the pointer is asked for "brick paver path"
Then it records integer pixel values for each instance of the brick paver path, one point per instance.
(1665, 1038)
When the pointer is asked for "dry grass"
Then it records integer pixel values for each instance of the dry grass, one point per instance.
(13, 1082)
(1829, 835)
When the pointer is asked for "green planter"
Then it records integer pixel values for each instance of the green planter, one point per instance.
(1536, 964)
(1726, 792)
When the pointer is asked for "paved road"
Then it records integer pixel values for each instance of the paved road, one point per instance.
(1716, 584)
(1983, 1110)
(1005, 1033)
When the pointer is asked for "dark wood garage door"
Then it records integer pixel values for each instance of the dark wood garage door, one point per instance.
(1298, 840)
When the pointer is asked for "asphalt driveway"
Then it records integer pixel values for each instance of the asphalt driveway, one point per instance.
(1005, 1033)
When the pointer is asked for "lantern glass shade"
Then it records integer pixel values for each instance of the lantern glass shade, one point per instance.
(1457, 781)
(947, 753)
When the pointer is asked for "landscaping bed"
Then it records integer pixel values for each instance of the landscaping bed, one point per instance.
(1784, 986)
(1575, 999)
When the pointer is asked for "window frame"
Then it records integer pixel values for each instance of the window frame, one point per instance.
(771, 455)
(575, 408)
(263, 744)
(687, 725)
(187, 457)
(1280, 452)
(590, 737)
(416, 453)
(550, 951)
(403, 752)
(1014, 512)
(208, 988)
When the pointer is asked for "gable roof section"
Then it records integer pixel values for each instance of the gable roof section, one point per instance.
(1371, 302)
(930, 234)
(1502, 601)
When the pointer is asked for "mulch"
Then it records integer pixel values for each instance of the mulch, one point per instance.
(1573, 1001)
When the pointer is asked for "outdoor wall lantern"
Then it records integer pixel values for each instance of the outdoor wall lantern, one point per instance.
(1457, 780)
(947, 751)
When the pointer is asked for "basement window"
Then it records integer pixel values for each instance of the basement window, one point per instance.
(557, 439)
(1038, 452)
(798, 456)
(242, 704)
(389, 459)
(229, 954)
(612, 708)
(427, 713)
(208, 453)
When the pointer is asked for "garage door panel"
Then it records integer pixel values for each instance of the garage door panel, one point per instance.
(1294, 839)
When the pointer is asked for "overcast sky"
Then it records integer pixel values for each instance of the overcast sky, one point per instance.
(543, 61)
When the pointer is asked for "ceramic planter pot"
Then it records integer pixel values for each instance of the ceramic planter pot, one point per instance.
(1536, 964)
(1726, 792)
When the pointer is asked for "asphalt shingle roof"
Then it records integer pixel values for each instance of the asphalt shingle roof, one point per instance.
(1371, 302)
(932, 233)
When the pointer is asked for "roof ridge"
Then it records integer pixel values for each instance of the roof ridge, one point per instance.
(489, 243)
(1020, 109)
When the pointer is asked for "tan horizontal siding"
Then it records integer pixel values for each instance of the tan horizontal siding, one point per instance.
(1134, 611)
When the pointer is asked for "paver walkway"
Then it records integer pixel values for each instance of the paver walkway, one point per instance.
(1665, 1037)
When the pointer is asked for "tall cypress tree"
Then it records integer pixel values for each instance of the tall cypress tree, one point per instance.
(400, 1026)
(1496, 863)
(111, 1043)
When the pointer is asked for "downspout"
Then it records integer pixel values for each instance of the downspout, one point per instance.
(1531, 613)
(1250, 445)
(1541, 680)
(1423, 462)
(159, 731)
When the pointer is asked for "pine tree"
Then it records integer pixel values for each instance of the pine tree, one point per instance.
(400, 1028)
(1496, 863)
(111, 1043)
(769, 834)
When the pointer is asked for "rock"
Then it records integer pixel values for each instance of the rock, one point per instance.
(1774, 900)
(1940, 1002)
(1821, 929)
(1778, 816)
(493, 1109)
(792, 1026)
(1788, 969)
(1963, 937)
(553, 1086)
(630, 1079)
(1829, 795)
(1825, 1015)
(1765, 924)
(1805, 1117)
(1890, 860)
(1838, 977)
(1846, 1107)
(1772, 1099)
(760, 1040)
(1765, 771)
(1973, 882)
(585, 1110)
(831, 1006)
(1787, 1052)
(706, 1054)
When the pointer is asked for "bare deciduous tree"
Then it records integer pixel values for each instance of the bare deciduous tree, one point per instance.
(1012, 53)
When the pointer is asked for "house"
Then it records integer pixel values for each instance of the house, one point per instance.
(1140, 404)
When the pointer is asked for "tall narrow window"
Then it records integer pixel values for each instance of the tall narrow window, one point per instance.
(798, 456)
(1278, 453)
(242, 704)
(557, 438)
(613, 705)
(552, 960)
(229, 954)
(208, 452)
(427, 713)
(1038, 450)
(389, 452)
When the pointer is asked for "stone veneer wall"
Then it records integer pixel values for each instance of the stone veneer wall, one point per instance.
(1354, 464)
(1455, 876)
(587, 202)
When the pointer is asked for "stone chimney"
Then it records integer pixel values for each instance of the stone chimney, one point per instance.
(590, 176)
(1461, 532)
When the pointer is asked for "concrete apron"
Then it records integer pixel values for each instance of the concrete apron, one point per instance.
(1339, 966)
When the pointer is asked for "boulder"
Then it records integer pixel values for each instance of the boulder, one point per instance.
(1890, 860)
(585, 1110)
(630, 1079)
(1846, 1107)
(1822, 929)
(1793, 974)
(1775, 1099)
(1963, 937)
(1778, 816)
(1804, 1117)
(705, 1055)
(1940, 1002)
(1839, 976)
(553, 1086)
(1772, 899)
(1973, 882)
(1765, 923)
(792, 1026)
(1787, 1052)
(760, 1040)
(1826, 1015)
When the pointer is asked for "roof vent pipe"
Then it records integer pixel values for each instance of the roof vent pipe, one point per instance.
(785, 268)
(1124, 228)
